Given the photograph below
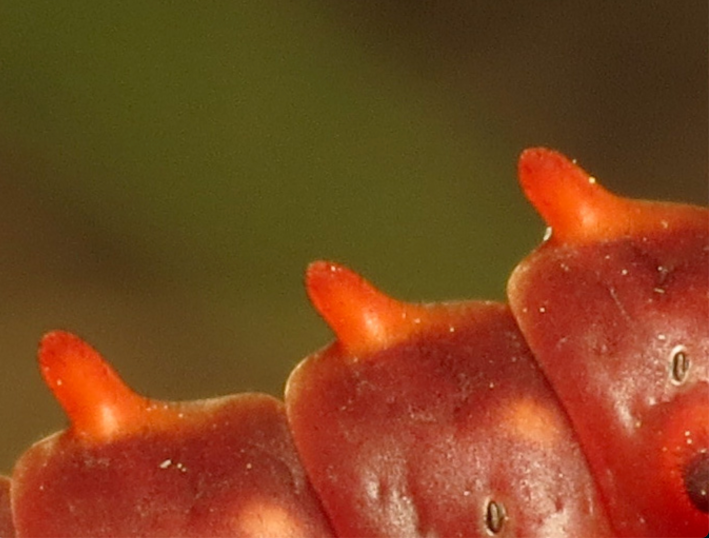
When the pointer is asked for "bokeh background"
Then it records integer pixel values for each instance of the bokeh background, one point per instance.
(168, 169)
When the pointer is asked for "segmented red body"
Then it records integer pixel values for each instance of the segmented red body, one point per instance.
(579, 409)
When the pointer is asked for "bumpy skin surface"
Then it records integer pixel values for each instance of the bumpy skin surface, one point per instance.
(615, 306)
(430, 414)
(580, 410)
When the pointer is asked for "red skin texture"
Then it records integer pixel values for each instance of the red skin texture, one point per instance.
(220, 467)
(604, 312)
(418, 417)
(7, 529)
(415, 438)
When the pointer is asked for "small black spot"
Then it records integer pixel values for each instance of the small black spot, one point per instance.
(495, 517)
(696, 481)
(680, 364)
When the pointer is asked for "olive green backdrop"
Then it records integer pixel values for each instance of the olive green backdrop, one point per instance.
(168, 169)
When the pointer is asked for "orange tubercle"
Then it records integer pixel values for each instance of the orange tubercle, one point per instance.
(578, 210)
(98, 403)
(364, 319)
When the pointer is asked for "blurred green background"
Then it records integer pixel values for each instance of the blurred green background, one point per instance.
(168, 169)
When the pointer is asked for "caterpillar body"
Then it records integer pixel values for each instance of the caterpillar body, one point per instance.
(580, 408)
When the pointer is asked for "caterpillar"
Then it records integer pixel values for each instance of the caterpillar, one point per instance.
(579, 408)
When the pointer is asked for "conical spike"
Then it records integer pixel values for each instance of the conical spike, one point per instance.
(614, 307)
(132, 466)
(363, 318)
(98, 403)
(579, 211)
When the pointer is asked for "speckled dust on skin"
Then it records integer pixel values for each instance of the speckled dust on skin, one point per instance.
(166, 464)
(688, 435)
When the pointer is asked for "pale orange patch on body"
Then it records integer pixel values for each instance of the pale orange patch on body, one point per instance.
(261, 518)
(533, 421)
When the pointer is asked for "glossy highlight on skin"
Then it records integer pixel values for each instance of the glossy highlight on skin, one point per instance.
(619, 287)
(579, 409)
